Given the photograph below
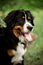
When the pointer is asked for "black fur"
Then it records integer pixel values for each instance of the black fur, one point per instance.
(7, 39)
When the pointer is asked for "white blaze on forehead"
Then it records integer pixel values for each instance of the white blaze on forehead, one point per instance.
(27, 23)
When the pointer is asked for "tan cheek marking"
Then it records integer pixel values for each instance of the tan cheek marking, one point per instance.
(10, 52)
(15, 31)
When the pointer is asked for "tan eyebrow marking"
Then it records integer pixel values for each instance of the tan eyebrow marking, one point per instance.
(23, 17)
(29, 17)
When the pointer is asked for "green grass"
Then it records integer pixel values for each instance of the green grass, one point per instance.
(34, 54)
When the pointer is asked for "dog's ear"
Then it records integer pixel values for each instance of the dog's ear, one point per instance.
(10, 17)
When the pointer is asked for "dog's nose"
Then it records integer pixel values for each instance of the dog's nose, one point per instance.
(29, 28)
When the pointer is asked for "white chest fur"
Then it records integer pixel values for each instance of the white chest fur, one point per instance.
(19, 53)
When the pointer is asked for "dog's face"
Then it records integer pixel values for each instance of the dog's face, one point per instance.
(20, 21)
(23, 23)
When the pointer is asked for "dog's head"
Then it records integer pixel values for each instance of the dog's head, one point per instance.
(20, 22)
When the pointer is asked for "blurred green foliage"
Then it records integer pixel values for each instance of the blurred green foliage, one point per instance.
(8, 5)
(2, 23)
(34, 54)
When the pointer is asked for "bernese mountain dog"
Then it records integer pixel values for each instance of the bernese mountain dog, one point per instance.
(15, 38)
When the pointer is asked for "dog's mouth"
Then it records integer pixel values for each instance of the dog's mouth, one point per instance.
(29, 36)
(18, 31)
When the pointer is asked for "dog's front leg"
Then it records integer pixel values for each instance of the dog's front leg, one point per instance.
(22, 62)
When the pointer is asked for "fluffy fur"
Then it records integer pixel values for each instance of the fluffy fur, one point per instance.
(12, 39)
